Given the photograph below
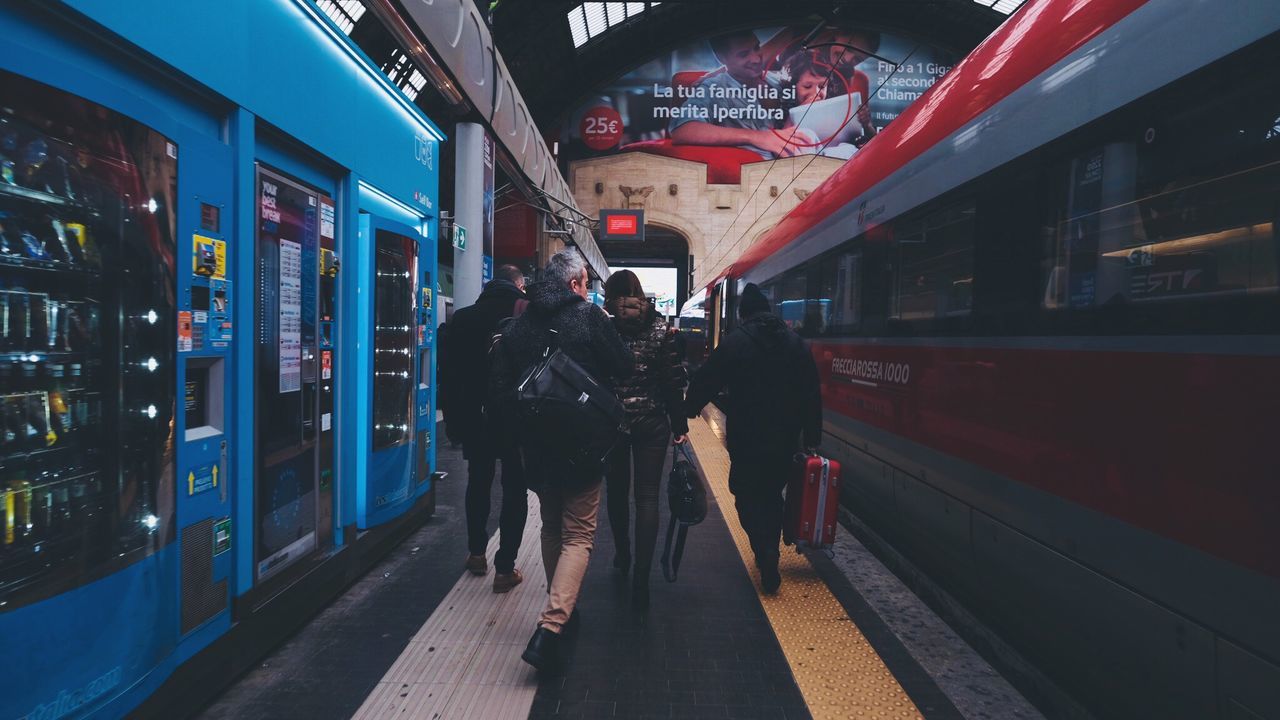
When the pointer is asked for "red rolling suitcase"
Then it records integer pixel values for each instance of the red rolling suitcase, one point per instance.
(813, 500)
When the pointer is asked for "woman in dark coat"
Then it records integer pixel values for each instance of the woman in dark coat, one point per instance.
(653, 397)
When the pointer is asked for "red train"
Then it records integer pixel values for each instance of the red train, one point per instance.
(1044, 302)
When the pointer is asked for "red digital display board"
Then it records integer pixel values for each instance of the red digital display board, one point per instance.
(621, 225)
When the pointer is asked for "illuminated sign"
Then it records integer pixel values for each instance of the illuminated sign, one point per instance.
(622, 225)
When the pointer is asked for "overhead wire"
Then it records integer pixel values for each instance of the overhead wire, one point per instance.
(890, 76)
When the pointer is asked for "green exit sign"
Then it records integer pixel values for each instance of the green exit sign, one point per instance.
(459, 237)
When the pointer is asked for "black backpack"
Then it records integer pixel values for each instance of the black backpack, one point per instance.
(687, 497)
(567, 415)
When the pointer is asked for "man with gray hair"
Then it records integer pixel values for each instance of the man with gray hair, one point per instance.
(559, 316)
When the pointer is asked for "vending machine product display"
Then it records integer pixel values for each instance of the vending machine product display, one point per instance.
(87, 384)
(399, 458)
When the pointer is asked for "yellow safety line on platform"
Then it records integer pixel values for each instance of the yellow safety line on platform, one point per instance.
(840, 675)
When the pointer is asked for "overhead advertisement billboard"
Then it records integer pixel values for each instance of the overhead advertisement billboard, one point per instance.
(757, 94)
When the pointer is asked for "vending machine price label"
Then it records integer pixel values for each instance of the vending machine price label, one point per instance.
(290, 316)
(184, 331)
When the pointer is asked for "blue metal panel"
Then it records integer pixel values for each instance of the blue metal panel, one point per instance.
(205, 171)
(35, 49)
(284, 62)
(82, 648)
(242, 133)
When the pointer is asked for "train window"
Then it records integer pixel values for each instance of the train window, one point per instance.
(840, 291)
(1182, 210)
(790, 297)
(934, 264)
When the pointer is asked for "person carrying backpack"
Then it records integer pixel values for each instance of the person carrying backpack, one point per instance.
(483, 443)
(558, 318)
(774, 403)
(654, 400)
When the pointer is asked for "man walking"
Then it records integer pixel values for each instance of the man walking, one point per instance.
(560, 315)
(484, 443)
(774, 400)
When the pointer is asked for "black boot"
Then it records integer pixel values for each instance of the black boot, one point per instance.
(622, 559)
(770, 578)
(640, 590)
(541, 652)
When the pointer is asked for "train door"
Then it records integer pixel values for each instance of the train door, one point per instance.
(389, 262)
(295, 375)
(713, 316)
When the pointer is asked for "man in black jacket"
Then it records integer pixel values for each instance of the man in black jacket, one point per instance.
(466, 369)
(774, 401)
(568, 503)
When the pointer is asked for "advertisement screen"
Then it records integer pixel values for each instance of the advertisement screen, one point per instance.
(761, 94)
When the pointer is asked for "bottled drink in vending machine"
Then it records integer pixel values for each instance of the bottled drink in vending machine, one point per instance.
(8, 535)
(18, 506)
(60, 416)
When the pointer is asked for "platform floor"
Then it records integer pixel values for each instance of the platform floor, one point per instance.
(418, 638)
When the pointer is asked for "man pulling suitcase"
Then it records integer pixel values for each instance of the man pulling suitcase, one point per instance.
(774, 408)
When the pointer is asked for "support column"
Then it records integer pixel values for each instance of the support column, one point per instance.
(468, 265)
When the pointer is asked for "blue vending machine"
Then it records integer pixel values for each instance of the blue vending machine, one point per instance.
(114, 370)
(393, 368)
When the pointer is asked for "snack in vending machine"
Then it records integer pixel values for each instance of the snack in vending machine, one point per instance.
(10, 236)
(38, 419)
(34, 155)
(33, 248)
(88, 248)
(66, 245)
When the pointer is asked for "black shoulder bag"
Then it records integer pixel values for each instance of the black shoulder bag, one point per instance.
(567, 413)
(687, 496)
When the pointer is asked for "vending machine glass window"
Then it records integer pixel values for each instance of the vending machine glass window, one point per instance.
(395, 324)
(293, 222)
(87, 322)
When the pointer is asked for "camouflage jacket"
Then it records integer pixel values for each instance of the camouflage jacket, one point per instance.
(658, 383)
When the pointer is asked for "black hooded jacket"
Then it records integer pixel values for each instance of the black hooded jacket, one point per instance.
(583, 332)
(774, 395)
(464, 362)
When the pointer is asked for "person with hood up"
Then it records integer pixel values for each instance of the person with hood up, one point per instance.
(568, 502)
(774, 403)
(654, 399)
(484, 442)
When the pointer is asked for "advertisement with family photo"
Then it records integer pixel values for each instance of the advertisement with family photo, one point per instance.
(752, 95)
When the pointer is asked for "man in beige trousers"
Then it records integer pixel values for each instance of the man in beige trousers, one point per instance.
(559, 315)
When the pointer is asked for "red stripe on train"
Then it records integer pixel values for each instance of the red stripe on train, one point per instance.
(1182, 445)
(1036, 38)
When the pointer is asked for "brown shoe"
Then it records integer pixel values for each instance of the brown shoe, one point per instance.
(505, 582)
(477, 565)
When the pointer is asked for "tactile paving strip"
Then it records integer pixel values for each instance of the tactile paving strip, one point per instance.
(465, 660)
(839, 674)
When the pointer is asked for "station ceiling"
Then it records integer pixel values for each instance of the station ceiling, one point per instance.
(555, 73)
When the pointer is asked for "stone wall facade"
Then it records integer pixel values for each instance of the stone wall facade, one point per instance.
(719, 221)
